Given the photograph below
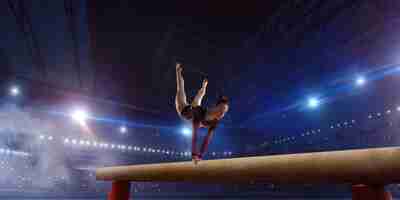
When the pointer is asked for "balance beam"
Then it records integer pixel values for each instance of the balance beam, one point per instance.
(368, 170)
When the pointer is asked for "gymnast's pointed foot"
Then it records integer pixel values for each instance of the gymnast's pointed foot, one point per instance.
(179, 68)
(205, 83)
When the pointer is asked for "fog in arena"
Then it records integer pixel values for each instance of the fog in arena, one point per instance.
(32, 138)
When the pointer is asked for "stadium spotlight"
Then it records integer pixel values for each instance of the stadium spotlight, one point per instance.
(80, 116)
(186, 131)
(41, 137)
(313, 102)
(360, 81)
(14, 91)
(123, 129)
(398, 108)
(50, 138)
(66, 140)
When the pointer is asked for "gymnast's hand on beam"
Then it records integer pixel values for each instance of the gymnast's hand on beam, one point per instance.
(196, 159)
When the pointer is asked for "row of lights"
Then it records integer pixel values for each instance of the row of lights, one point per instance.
(378, 114)
(338, 125)
(124, 147)
(11, 152)
(370, 116)
(344, 124)
(42, 137)
(120, 147)
(293, 138)
(130, 148)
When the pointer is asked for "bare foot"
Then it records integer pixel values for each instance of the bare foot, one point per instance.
(179, 67)
(205, 83)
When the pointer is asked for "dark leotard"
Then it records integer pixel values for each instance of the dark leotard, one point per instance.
(198, 114)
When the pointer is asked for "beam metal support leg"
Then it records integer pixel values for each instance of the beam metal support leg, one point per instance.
(120, 190)
(370, 192)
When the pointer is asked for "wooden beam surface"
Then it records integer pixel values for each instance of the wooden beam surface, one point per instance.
(366, 166)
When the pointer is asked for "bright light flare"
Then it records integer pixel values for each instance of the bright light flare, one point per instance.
(123, 129)
(313, 102)
(186, 131)
(360, 81)
(14, 91)
(80, 116)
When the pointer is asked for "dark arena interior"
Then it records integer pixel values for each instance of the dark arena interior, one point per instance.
(87, 86)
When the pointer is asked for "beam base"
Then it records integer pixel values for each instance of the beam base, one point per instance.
(120, 190)
(370, 192)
